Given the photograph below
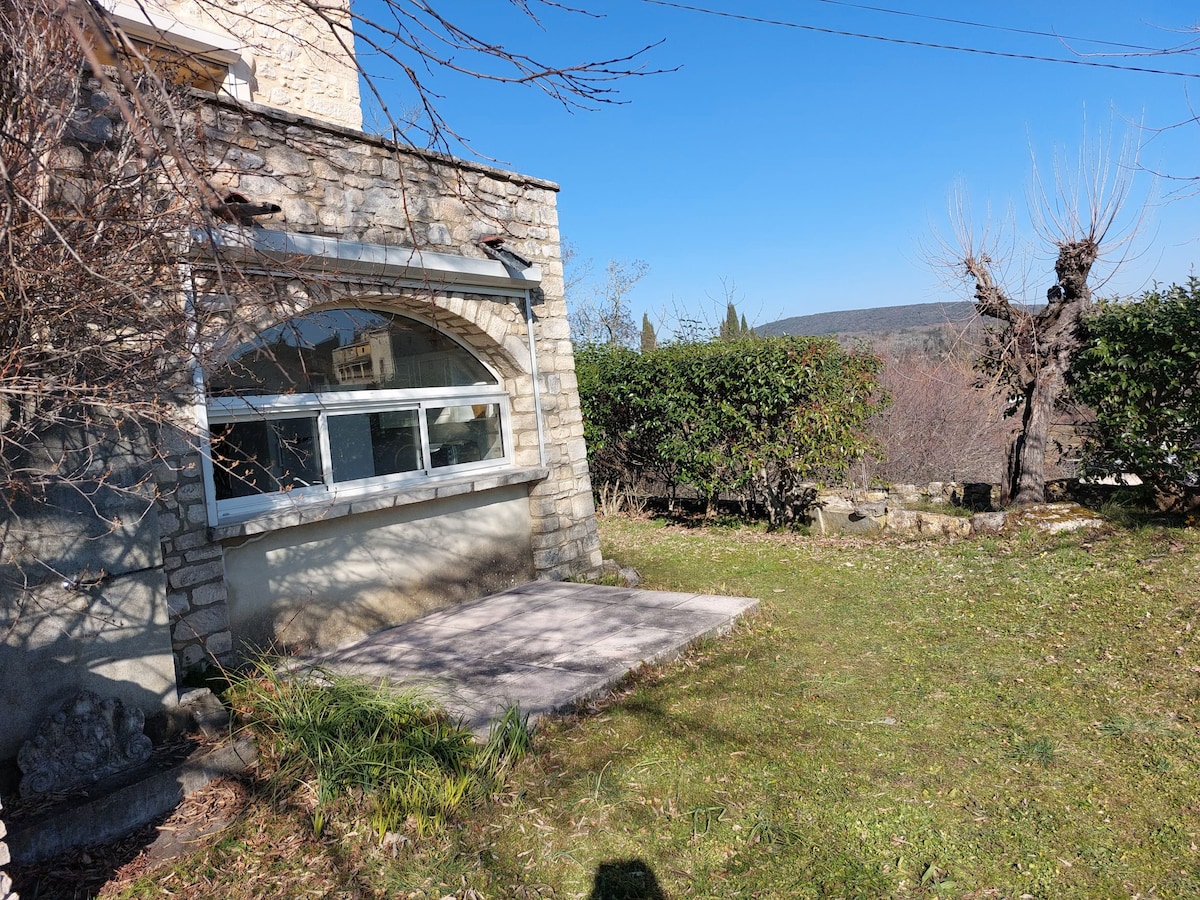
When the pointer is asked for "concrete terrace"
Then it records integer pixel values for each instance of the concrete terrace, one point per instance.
(543, 645)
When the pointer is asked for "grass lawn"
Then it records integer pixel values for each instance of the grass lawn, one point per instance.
(1004, 717)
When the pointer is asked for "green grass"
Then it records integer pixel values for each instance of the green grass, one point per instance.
(1000, 717)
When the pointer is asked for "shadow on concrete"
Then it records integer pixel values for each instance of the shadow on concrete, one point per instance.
(625, 879)
(543, 646)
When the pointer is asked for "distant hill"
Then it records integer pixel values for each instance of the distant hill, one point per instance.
(929, 329)
(874, 321)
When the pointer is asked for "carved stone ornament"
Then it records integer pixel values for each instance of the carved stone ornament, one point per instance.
(85, 741)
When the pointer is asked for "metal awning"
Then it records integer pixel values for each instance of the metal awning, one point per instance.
(310, 253)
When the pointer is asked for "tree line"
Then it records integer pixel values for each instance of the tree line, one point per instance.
(761, 420)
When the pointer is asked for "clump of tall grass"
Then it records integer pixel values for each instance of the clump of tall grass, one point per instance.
(343, 738)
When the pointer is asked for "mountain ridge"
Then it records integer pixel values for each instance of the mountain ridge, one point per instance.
(875, 320)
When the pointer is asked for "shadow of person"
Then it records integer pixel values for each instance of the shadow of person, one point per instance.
(625, 879)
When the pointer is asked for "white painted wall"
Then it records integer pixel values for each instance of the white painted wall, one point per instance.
(325, 583)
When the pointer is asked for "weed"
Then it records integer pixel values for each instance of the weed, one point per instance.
(1038, 750)
(773, 831)
(343, 736)
(1122, 726)
(617, 499)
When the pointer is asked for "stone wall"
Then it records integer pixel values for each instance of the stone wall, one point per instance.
(296, 62)
(331, 182)
(82, 594)
(969, 510)
(193, 563)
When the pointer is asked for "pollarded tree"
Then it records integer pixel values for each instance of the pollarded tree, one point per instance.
(1036, 344)
(1140, 373)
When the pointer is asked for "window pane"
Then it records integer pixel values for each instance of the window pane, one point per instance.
(461, 434)
(263, 456)
(370, 444)
(346, 349)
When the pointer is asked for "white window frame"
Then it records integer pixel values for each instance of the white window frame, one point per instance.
(258, 408)
(222, 410)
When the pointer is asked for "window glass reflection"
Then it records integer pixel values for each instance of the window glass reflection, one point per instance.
(368, 444)
(267, 455)
(346, 349)
(461, 434)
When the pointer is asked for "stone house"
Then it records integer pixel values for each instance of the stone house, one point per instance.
(398, 429)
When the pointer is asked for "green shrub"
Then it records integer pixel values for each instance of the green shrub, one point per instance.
(756, 419)
(1140, 372)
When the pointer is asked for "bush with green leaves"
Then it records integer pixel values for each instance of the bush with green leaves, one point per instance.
(1140, 373)
(756, 419)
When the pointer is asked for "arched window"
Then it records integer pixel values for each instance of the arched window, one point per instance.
(344, 402)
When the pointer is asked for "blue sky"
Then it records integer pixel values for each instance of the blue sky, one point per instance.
(813, 171)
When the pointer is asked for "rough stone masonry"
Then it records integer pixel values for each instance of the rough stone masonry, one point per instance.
(335, 182)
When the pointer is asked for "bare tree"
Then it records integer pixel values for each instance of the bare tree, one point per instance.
(103, 176)
(1032, 351)
(942, 424)
(600, 313)
(91, 327)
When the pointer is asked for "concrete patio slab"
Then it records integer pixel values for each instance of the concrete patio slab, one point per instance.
(543, 646)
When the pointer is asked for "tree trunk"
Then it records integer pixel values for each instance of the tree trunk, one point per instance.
(1025, 472)
(1037, 350)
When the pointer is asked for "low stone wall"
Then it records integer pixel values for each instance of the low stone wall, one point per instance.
(852, 511)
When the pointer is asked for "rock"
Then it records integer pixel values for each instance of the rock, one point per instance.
(906, 493)
(627, 576)
(929, 524)
(836, 515)
(1054, 518)
(209, 714)
(88, 739)
(988, 522)
(872, 509)
(631, 576)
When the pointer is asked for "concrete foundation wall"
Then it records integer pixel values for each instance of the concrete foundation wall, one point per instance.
(82, 590)
(112, 640)
(325, 583)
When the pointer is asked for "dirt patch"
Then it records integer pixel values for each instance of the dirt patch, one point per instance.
(101, 871)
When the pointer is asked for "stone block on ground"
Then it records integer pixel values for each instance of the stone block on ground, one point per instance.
(88, 739)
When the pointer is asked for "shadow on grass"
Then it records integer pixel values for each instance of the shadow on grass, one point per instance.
(625, 879)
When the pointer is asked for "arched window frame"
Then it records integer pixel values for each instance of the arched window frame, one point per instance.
(326, 405)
